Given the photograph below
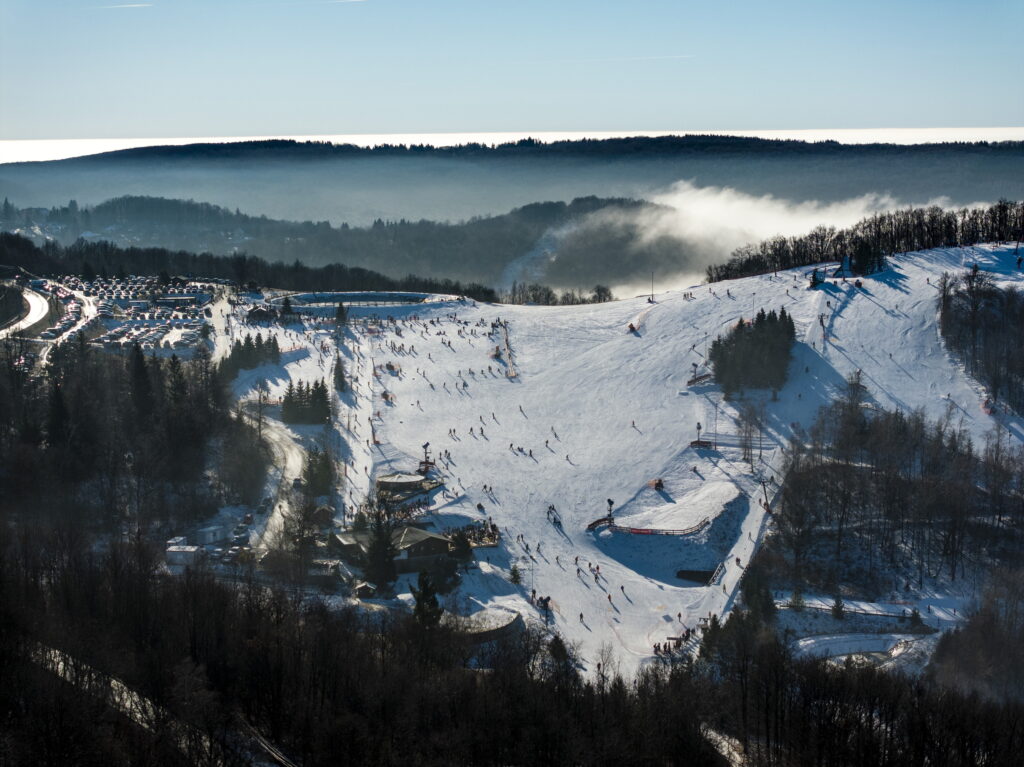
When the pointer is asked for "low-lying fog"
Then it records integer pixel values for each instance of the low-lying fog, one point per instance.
(704, 205)
(359, 189)
(688, 228)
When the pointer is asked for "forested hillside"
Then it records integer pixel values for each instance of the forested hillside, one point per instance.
(476, 250)
(104, 258)
(864, 246)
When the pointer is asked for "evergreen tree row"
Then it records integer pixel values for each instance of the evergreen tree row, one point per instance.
(869, 241)
(250, 353)
(306, 403)
(754, 355)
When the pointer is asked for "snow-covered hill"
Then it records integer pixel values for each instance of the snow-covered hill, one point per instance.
(595, 412)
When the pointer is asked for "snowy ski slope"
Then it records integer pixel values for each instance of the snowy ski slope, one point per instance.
(605, 411)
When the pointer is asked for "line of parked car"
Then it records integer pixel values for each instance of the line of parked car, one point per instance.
(71, 318)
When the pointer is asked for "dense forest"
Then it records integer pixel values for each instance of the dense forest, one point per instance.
(11, 304)
(104, 258)
(865, 245)
(986, 656)
(798, 711)
(754, 354)
(870, 487)
(107, 441)
(339, 686)
(980, 321)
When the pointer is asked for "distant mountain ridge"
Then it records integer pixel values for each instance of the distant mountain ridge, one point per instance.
(635, 147)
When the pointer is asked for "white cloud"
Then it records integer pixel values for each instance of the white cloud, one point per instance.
(709, 223)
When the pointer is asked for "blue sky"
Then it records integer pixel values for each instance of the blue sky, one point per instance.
(163, 68)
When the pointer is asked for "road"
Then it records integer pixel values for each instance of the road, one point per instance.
(37, 309)
(149, 716)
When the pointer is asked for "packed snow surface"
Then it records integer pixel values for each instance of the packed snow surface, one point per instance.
(585, 412)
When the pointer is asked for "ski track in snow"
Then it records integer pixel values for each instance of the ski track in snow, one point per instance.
(583, 381)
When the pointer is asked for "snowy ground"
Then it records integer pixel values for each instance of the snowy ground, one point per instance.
(599, 413)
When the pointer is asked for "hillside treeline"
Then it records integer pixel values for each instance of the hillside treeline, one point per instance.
(627, 147)
(542, 295)
(10, 304)
(986, 655)
(868, 242)
(327, 686)
(106, 440)
(339, 686)
(785, 710)
(871, 487)
(980, 322)
(105, 258)
(477, 249)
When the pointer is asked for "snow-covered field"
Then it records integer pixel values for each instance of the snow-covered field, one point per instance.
(594, 412)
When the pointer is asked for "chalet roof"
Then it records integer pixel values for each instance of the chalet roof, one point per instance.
(400, 477)
(410, 536)
(402, 538)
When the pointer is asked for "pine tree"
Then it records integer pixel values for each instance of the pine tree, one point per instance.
(380, 553)
(141, 387)
(288, 404)
(57, 426)
(427, 611)
(248, 356)
(838, 608)
(339, 373)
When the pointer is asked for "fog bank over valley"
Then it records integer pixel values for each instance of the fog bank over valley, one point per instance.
(349, 185)
(616, 210)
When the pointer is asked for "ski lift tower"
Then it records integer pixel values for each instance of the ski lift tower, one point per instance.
(426, 463)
